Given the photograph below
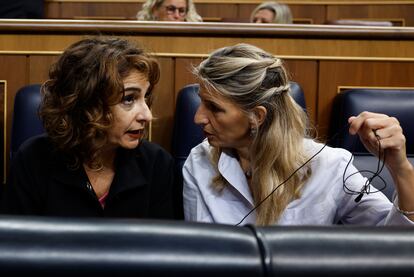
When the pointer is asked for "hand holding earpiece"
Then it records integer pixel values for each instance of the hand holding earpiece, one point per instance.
(376, 130)
(384, 132)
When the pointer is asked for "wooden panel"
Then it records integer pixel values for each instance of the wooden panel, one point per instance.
(306, 74)
(3, 85)
(245, 10)
(164, 105)
(315, 13)
(14, 71)
(217, 12)
(204, 45)
(121, 11)
(39, 67)
(38, 42)
(52, 10)
(183, 75)
(357, 73)
(400, 15)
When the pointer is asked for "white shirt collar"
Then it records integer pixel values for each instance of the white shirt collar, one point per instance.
(230, 169)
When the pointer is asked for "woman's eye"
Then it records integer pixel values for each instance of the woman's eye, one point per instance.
(128, 99)
(213, 107)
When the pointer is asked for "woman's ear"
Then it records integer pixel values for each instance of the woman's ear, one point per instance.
(259, 115)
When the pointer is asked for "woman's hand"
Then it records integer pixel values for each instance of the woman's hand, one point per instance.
(374, 127)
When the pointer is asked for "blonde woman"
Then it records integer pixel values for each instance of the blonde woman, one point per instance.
(169, 10)
(253, 168)
(271, 12)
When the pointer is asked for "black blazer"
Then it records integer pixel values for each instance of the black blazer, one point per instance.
(41, 183)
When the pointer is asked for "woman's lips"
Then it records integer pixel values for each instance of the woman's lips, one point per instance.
(135, 134)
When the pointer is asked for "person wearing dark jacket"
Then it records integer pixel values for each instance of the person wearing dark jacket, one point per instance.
(94, 160)
(33, 9)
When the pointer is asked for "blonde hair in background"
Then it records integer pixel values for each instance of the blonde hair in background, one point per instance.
(282, 12)
(147, 8)
(249, 77)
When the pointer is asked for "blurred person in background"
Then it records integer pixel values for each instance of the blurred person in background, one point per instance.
(169, 10)
(271, 12)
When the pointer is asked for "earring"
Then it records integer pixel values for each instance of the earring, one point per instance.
(253, 131)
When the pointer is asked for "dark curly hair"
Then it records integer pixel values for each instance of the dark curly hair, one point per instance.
(85, 81)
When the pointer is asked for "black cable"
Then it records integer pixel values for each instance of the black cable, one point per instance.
(365, 189)
(287, 179)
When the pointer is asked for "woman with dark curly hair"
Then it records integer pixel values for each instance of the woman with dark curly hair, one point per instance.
(94, 160)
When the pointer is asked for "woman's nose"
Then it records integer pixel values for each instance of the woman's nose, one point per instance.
(200, 116)
(144, 113)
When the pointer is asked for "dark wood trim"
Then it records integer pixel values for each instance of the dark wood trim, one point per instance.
(204, 29)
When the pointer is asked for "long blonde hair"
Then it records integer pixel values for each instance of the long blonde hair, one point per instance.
(146, 12)
(249, 77)
(282, 12)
